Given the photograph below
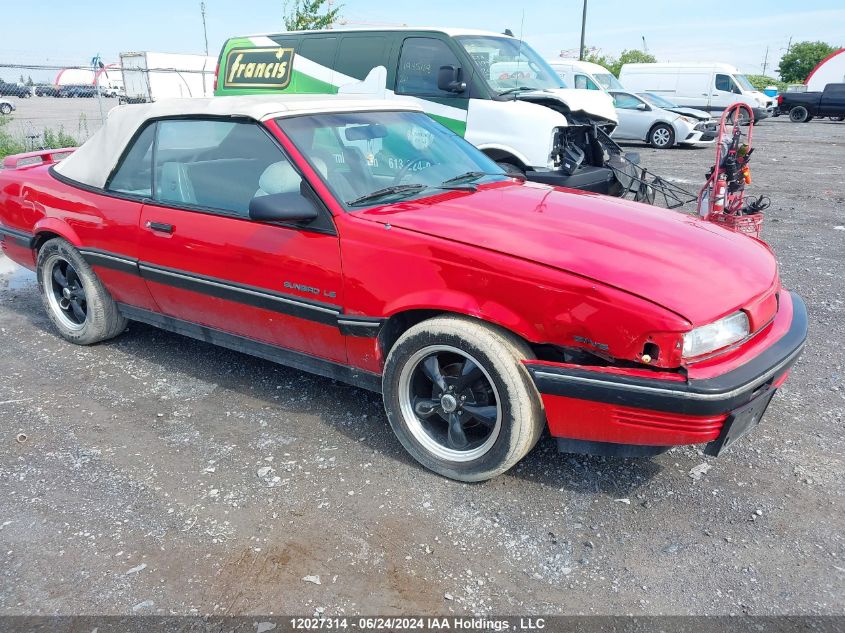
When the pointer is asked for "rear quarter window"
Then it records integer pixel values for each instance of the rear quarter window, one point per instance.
(359, 54)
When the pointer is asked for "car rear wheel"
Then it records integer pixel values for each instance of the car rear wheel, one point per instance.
(799, 114)
(837, 118)
(77, 303)
(459, 398)
(5, 108)
(661, 136)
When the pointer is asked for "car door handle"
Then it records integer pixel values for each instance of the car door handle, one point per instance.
(160, 227)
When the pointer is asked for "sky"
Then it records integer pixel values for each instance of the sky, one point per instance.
(57, 32)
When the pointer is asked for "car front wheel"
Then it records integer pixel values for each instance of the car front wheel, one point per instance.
(77, 303)
(661, 136)
(5, 108)
(459, 398)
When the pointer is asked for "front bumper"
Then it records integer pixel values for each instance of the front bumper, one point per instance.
(654, 409)
(762, 113)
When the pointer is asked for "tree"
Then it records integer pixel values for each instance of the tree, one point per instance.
(614, 65)
(801, 58)
(761, 82)
(306, 15)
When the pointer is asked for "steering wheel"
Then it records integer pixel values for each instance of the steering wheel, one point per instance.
(407, 168)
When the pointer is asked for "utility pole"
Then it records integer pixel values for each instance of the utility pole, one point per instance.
(766, 60)
(204, 31)
(329, 9)
(645, 46)
(583, 30)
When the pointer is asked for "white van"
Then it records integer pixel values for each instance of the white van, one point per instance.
(706, 86)
(584, 75)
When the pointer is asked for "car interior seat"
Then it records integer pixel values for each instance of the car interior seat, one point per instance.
(279, 177)
(174, 184)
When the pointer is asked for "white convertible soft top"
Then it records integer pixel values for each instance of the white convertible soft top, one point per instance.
(92, 163)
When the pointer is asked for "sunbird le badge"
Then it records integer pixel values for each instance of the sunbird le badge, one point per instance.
(258, 68)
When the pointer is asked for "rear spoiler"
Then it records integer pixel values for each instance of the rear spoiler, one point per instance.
(39, 157)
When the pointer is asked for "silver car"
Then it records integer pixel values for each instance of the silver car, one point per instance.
(6, 106)
(662, 128)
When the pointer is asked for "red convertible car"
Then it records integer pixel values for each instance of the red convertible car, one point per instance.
(363, 241)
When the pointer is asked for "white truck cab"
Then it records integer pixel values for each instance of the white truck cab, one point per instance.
(711, 87)
(584, 75)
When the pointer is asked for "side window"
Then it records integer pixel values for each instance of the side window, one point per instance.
(134, 175)
(218, 165)
(625, 101)
(358, 55)
(320, 50)
(725, 83)
(585, 83)
(419, 64)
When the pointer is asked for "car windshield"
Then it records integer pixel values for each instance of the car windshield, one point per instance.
(743, 82)
(608, 81)
(657, 100)
(370, 158)
(507, 64)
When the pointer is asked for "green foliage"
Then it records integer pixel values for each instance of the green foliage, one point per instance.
(8, 143)
(307, 15)
(761, 82)
(52, 139)
(801, 59)
(614, 65)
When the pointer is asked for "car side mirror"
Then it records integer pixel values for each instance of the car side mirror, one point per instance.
(642, 107)
(449, 79)
(289, 208)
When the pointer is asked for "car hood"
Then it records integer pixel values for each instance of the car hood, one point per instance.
(701, 115)
(596, 103)
(692, 267)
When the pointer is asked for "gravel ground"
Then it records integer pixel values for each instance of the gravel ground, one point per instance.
(78, 117)
(163, 475)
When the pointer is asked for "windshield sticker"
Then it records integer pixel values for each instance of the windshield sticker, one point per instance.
(419, 137)
(258, 68)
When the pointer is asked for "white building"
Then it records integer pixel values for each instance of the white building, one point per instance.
(831, 70)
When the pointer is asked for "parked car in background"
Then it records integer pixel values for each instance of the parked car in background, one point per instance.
(14, 90)
(46, 90)
(6, 106)
(484, 308)
(803, 106)
(584, 75)
(77, 91)
(705, 86)
(642, 120)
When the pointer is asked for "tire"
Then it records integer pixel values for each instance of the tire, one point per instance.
(511, 169)
(499, 389)
(661, 136)
(76, 301)
(837, 118)
(5, 109)
(799, 114)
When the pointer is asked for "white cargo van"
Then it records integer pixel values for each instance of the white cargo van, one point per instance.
(584, 75)
(706, 86)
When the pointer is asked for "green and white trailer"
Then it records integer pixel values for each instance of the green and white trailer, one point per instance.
(492, 89)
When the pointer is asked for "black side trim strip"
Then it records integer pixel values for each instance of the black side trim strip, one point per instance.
(326, 313)
(695, 397)
(364, 327)
(297, 360)
(104, 259)
(249, 295)
(20, 237)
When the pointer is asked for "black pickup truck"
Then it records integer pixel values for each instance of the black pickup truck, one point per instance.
(803, 106)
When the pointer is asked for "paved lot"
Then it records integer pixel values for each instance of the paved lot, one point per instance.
(78, 117)
(162, 475)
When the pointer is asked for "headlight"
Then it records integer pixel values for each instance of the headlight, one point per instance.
(716, 335)
(687, 119)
